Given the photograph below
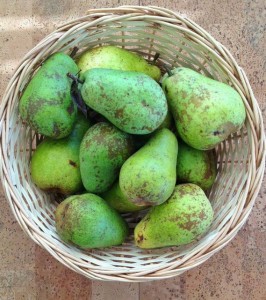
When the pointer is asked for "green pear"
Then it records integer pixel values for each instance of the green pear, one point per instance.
(148, 177)
(141, 140)
(112, 57)
(115, 198)
(89, 222)
(103, 150)
(178, 221)
(55, 163)
(195, 166)
(168, 122)
(46, 103)
(205, 111)
(132, 101)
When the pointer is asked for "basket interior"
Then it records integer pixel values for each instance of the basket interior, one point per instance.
(177, 47)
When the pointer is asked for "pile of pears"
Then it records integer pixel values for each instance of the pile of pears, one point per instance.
(121, 137)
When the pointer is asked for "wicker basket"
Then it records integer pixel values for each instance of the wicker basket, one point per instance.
(180, 42)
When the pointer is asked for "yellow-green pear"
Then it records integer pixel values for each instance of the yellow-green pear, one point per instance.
(205, 111)
(115, 198)
(148, 177)
(195, 166)
(112, 57)
(89, 222)
(186, 215)
(55, 164)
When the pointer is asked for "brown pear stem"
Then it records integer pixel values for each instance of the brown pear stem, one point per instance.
(74, 51)
(155, 58)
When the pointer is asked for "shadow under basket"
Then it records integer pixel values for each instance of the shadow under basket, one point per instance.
(240, 159)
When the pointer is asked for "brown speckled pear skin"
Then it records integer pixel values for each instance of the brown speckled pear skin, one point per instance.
(89, 222)
(141, 140)
(46, 104)
(115, 198)
(103, 150)
(205, 111)
(148, 177)
(132, 101)
(178, 221)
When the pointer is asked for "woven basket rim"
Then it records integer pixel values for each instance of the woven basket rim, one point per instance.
(175, 20)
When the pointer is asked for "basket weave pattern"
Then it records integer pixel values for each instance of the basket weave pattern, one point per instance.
(240, 159)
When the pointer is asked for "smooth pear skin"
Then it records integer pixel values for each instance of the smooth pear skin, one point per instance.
(205, 111)
(89, 222)
(55, 163)
(195, 166)
(46, 104)
(178, 221)
(148, 177)
(103, 151)
(132, 101)
(112, 57)
(115, 198)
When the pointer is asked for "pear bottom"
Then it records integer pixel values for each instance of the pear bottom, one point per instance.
(89, 222)
(116, 199)
(180, 220)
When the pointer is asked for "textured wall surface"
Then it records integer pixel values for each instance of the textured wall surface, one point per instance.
(236, 272)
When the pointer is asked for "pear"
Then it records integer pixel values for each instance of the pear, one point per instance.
(178, 221)
(112, 57)
(132, 101)
(103, 150)
(205, 111)
(55, 163)
(115, 198)
(141, 140)
(195, 166)
(46, 104)
(89, 222)
(148, 177)
(168, 122)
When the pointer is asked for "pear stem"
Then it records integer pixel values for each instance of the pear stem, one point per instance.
(76, 95)
(155, 58)
(168, 70)
(74, 51)
(75, 78)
